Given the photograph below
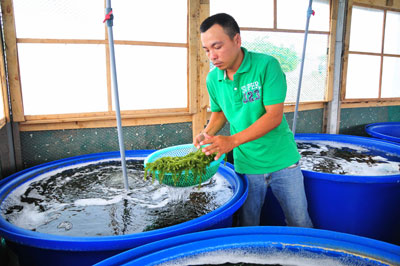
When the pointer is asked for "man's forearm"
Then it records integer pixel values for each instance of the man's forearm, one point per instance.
(217, 122)
(262, 126)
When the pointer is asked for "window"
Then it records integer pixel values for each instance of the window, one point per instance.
(373, 54)
(63, 55)
(277, 27)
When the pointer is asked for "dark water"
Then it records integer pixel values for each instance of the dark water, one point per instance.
(90, 200)
(346, 159)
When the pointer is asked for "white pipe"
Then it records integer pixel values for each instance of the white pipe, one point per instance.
(116, 96)
(309, 13)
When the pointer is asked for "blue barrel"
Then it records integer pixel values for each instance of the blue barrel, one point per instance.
(34, 248)
(360, 205)
(386, 130)
(272, 245)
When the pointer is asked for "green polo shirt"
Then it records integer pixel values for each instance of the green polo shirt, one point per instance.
(259, 81)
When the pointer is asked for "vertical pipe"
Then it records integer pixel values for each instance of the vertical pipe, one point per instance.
(309, 12)
(116, 96)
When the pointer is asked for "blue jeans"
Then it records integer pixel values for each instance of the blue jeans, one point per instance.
(288, 188)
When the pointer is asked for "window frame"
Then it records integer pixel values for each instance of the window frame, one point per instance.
(333, 14)
(90, 119)
(367, 102)
(333, 6)
(198, 67)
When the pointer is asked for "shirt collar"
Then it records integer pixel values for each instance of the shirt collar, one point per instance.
(244, 66)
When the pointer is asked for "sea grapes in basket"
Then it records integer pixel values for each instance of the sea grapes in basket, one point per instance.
(182, 171)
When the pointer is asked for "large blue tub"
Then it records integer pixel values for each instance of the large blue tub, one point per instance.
(385, 130)
(270, 245)
(34, 248)
(362, 205)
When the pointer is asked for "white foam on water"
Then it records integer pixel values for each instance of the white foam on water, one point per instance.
(178, 193)
(23, 187)
(339, 145)
(374, 166)
(65, 225)
(159, 205)
(104, 205)
(159, 193)
(271, 256)
(98, 201)
(32, 216)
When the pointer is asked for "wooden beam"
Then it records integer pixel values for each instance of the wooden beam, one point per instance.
(371, 100)
(275, 25)
(389, 4)
(105, 115)
(193, 37)
(370, 104)
(331, 49)
(282, 30)
(382, 52)
(2, 122)
(81, 41)
(104, 122)
(57, 125)
(60, 41)
(346, 50)
(12, 60)
(304, 107)
(201, 11)
(202, 65)
(376, 54)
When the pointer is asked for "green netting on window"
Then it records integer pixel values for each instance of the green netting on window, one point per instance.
(287, 49)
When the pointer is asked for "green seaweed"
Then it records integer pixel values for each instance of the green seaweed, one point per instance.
(180, 167)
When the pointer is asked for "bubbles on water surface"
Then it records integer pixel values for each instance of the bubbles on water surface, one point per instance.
(90, 200)
(278, 254)
(346, 159)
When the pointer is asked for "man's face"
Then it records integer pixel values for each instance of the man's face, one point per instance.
(222, 51)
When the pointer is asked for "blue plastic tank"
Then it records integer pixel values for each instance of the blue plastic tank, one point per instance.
(385, 130)
(34, 248)
(360, 205)
(270, 245)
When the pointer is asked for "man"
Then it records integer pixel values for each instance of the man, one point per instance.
(248, 90)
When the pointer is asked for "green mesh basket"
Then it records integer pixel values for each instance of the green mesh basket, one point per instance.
(184, 181)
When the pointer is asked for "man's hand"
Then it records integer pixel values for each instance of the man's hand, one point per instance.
(199, 138)
(218, 144)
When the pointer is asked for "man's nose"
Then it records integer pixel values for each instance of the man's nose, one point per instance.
(213, 55)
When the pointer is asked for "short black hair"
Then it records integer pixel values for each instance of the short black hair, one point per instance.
(227, 22)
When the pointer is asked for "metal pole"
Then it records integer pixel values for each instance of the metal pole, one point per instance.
(309, 13)
(115, 90)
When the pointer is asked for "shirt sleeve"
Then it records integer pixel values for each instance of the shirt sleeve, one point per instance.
(274, 86)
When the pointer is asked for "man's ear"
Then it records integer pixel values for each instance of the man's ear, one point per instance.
(238, 39)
